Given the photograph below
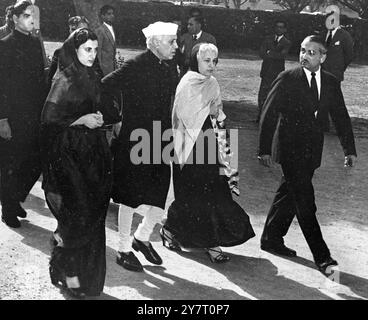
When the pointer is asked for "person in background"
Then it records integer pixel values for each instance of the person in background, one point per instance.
(291, 129)
(147, 84)
(273, 51)
(107, 58)
(37, 28)
(339, 45)
(22, 95)
(194, 36)
(107, 40)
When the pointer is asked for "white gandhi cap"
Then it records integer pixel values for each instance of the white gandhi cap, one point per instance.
(160, 28)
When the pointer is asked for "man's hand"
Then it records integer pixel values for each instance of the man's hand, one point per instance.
(265, 160)
(349, 160)
(5, 131)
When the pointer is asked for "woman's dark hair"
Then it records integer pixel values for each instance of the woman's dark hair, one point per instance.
(83, 35)
(16, 9)
(193, 62)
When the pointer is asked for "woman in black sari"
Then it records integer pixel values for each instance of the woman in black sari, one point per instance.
(204, 214)
(77, 168)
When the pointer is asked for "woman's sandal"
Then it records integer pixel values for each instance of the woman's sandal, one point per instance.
(220, 257)
(168, 241)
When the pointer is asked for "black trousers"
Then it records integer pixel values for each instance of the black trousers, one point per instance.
(264, 89)
(18, 174)
(295, 197)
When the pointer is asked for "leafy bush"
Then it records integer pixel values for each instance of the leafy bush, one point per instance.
(235, 30)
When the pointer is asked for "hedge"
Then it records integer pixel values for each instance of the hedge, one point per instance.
(235, 30)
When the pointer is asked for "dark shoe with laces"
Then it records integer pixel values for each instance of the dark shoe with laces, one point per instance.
(325, 265)
(128, 261)
(147, 250)
(279, 249)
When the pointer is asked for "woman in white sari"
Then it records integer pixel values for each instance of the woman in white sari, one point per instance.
(204, 214)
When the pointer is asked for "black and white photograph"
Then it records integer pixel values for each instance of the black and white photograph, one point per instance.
(184, 156)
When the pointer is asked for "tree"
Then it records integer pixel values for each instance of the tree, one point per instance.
(293, 5)
(90, 9)
(239, 3)
(359, 6)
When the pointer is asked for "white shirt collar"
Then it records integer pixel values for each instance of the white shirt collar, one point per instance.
(333, 32)
(278, 37)
(198, 34)
(110, 29)
(318, 78)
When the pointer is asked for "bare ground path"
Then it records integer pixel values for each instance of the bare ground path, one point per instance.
(251, 274)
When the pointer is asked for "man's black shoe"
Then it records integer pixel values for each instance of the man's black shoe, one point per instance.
(279, 249)
(19, 211)
(11, 221)
(324, 265)
(128, 261)
(150, 254)
(14, 208)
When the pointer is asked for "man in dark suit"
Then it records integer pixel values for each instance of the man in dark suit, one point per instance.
(273, 51)
(106, 56)
(147, 83)
(292, 119)
(339, 45)
(191, 38)
(22, 95)
(106, 40)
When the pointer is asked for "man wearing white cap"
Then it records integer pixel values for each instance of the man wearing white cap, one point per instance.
(147, 83)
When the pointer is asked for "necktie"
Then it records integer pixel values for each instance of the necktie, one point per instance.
(194, 37)
(314, 90)
(275, 42)
(329, 38)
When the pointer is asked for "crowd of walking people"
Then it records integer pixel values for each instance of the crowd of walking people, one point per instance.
(91, 129)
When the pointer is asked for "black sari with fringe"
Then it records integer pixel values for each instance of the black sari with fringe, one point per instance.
(77, 172)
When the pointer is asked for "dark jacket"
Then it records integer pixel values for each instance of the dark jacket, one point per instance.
(147, 86)
(273, 61)
(186, 44)
(339, 53)
(289, 125)
(106, 49)
(22, 91)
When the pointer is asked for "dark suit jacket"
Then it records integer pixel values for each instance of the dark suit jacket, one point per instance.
(289, 113)
(274, 61)
(339, 53)
(22, 91)
(106, 49)
(187, 43)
